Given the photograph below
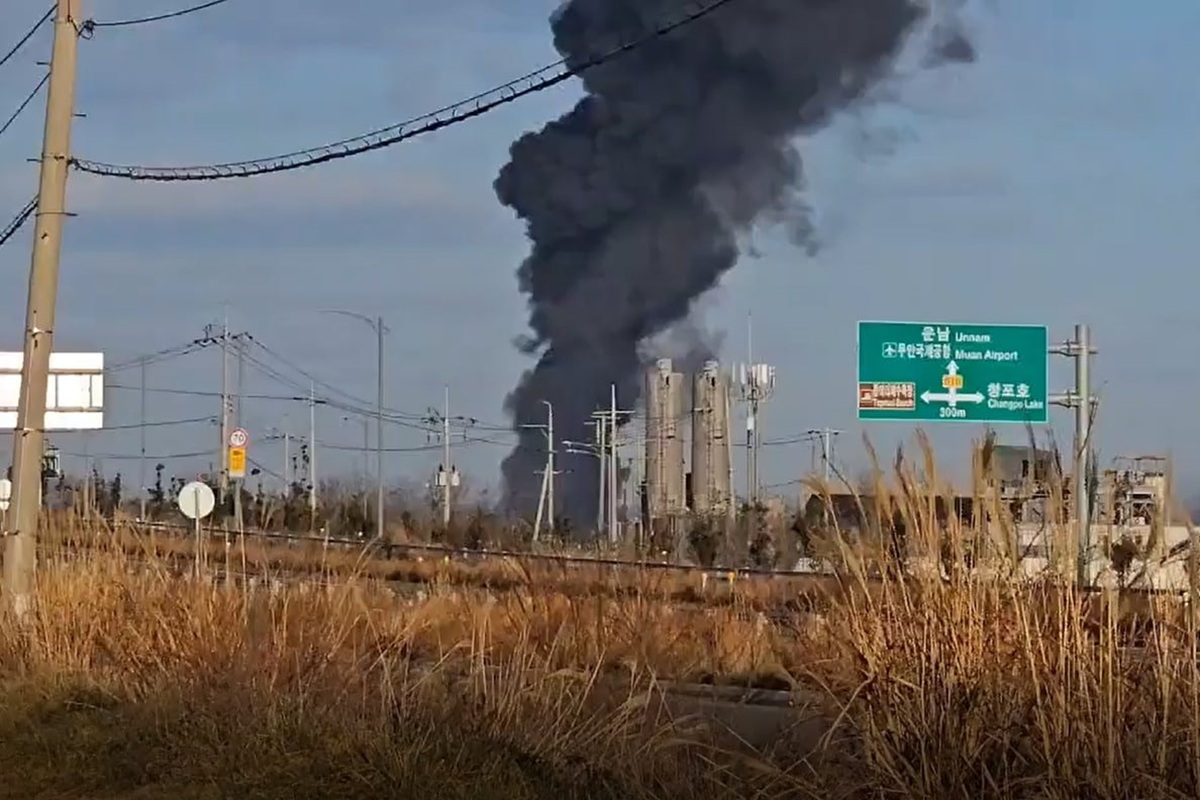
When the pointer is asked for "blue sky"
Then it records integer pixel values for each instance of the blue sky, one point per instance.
(1054, 181)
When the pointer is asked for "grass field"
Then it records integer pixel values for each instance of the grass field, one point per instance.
(132, 682)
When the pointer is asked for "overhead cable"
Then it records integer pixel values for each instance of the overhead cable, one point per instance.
(422, 448)
(24, 104)
(357, 407)
(167, 423)
(132, 457)
(477, 105)
(183, 12)
(358, 402)
(166, 354)
(22, 217)
(295, 398)
(29, 35)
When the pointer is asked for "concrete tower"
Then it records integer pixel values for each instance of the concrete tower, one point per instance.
(665, 496)
(712, 478)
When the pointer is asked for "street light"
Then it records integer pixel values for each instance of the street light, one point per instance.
(589, 449)
(366, 465)
(380, 329)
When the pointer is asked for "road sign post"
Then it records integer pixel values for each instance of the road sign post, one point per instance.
(1080, 399)
(953, 372)
(196, 501)
(238, 440)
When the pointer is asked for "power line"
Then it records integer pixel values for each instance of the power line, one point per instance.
(537, 81)
(22, 217)
(21, 42)
(128, 457)
(183, 12)
(161, 457)
(24, 104)
(422, 448)
(308, 376)
(166, 354)
(352, 405)
(167, 423)
(209, 393)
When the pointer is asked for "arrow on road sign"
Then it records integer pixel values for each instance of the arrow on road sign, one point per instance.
(951, 381)
(951, 398)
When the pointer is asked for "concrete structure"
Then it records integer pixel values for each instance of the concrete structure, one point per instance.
(1135, 491)
(712, 466)
(665, 491)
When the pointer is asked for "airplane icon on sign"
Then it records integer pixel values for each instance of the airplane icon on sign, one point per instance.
(889, 350)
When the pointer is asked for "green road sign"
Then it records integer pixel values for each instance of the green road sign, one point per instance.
(945, 371)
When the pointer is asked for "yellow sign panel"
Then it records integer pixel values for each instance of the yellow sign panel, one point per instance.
(237, 462)
(952, 381)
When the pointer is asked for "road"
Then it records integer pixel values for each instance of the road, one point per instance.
(755, 718)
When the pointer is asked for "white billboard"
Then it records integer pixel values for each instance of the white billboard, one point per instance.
(74, 396)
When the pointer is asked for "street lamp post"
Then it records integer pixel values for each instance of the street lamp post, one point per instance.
(595, 451)
(380, 329)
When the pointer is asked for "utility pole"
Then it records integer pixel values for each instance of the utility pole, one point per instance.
(446, 477)
(546, 496)
(826, 436)
(312, 453)
(224, 483)
(613, 445)
(380, 529)
(241, 377)
(541, 507)
(20, 552)
(366, 426)
(376, 324)
(600, 420)
(550, 461)
(142, 451)
(287, 465)
(1080, 399)
(445, 456)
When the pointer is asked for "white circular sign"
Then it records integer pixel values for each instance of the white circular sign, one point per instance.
(196, 500)
(238, 438)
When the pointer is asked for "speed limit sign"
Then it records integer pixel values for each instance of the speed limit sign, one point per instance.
(238, 438)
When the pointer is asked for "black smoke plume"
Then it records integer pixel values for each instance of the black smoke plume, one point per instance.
(634, 199)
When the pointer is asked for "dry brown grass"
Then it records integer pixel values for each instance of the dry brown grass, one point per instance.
(133, 682)
(312, 558)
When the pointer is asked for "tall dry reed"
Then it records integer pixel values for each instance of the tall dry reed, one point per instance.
(132, 681)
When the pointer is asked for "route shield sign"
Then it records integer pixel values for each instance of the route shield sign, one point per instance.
(945, 371)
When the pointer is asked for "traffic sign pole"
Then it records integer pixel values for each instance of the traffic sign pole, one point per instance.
(196, 501)
(1081, 400)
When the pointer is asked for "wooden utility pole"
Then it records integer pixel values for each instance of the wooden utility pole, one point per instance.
(20, 551)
